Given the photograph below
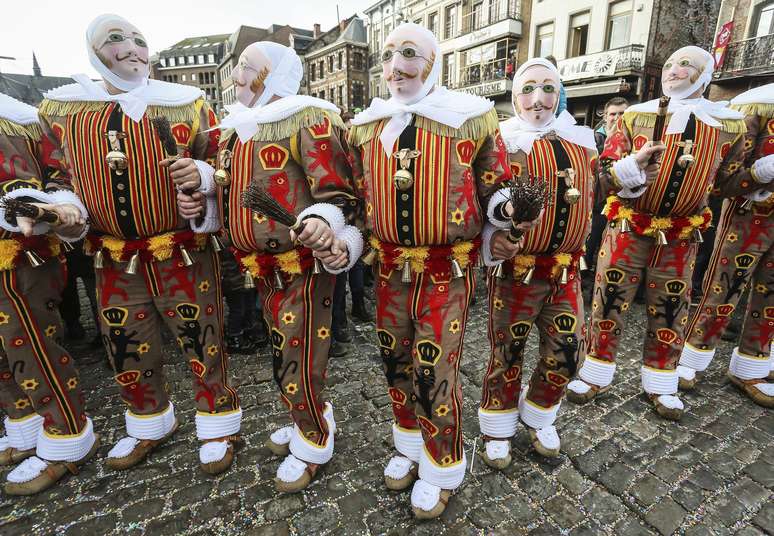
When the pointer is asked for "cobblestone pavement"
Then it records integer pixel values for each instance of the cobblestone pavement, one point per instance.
(623, 470)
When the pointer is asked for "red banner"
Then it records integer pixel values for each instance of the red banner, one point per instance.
(721, 43)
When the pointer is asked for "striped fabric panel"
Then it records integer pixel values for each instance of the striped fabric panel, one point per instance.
(240, 221)
(431, 188)
(383, 190)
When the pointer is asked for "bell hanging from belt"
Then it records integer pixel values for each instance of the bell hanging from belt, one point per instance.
(572, 195)
(697, 237)
(317, 267)
(405, 275)
(527, 279)
(661, 239)
(456, 269)
(67, 246)
(35, 259)
(217, 245)
(133, 264)
(625, 227)
(582, 266)
(249, 283)
(222, 177)
(565, 277)
(498, 271)
(99, 259)
(117, 161)
(279, 284)
(369, 258)
(187, 259)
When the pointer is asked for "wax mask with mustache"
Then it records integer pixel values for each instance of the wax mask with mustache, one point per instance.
(409, 62)
(250, 75)
(688, 70)
(119, 51)
(536, 95)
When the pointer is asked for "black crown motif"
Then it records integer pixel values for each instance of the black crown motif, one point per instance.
(675, 286)
(614, 275)
(277, 339)
(188, 311)
(519, 330)
(386, 339)
(744, 260)
(565, 323)
(115, 316)
(428, 352)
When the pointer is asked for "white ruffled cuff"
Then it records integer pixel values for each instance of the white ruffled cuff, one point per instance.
(354, 239)
(213, 426)
(537, 417)
(659, 381)
(449, 477)
(597, 372)
(211, 221)
(327, 211)
(207, 174)
(501, 196)
(39, 196)
(748, 367)
(486, 241)
(697, 359)
(763, 169)
(626, 193)
(68, 448)
(66, 197)
(500, 424)
(150, 426)
(758, 196)
(628, 172)
(22, 434)
(408, 443)
(308, 452)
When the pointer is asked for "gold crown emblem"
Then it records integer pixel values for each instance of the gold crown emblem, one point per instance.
(565, 323)
(188, 311)
(725, 309)
(519, 330)
(397, 396)
(15, 184)
(744, 260)
(614, 275)
(512, 374)
(427, 425)
(386, 339)
(556, 379)
(429, 353)
(277, 339)
(465, 150)
(128, 377)
(273, 156)
(115, 316)
(675, 286)
(768, 313)
(666, 335)
(606, 325)
(320, 130)
(197, 367)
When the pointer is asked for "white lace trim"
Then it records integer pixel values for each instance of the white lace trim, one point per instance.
(213, 451)
(425, 495)
(123, 448)
(398, 467)
(497, 450)
(291, 469)
(27, 470)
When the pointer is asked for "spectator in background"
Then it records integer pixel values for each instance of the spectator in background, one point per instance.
(79, 265)
(245, 331)
(562, 94)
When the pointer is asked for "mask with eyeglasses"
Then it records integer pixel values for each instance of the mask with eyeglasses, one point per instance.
(530, 88)
(115, 37)
(409, 53)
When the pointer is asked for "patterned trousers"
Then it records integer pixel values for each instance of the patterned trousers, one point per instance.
(743, 256)
(132, 310)
(37, 375)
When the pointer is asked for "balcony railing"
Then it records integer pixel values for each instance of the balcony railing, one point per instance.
(747, 57)
(489, 13)
(374, 59)
(608, 63)
(480, 73)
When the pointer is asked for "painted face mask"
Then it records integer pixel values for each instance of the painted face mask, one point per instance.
(688, 70)
(536, 92)
(410, 62)
(118, 51)
(250, 75)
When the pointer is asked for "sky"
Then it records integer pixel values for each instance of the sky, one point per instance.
(55, 30)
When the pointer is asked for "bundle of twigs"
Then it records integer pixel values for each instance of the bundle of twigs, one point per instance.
(528, 197)
(16, 207)
(256, 199)
(658, 127)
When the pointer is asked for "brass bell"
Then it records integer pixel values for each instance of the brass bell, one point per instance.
(249, 283)
(279, 283)
(697, 237)
(99, 259)
(217, 245)
(67, 246)
(498, 271)
(403, 179)
(370, 257)
(187, 259)
(133, 264)
(685, 161)
(456, 269)
(527, 279)
(405, 276)
(565, 277)
(35, 259)
(582, 266)
(117, 161)
(572, 195)
(625, 227)
(661, 239)
(317, 267)
(222, 177)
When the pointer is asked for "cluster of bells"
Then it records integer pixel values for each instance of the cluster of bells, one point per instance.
(661, 239)
(277, 281)
(405, 275)
(134, 261)
(526, 279)
(36, 260)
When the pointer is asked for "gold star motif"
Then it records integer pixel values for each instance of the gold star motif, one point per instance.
(22, 403)
(72, 383)
(761, 288)
(291, 388)
(732, 237)
(221, 400)
(144, 348)
(212, 350)
(30, 384)
(204, 286)
(652, 310)
(259, 218)
(288, 318)
(489, 177)
(447, 460)
(442, 410)
(454, 326)
(323, 333)
(457, 216)
(717, 289)
(50, 330)
(4, 318)
(498, 304)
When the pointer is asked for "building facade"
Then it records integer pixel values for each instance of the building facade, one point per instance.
(335, 65)
(194, 62)
(749, 57)
(30, 88)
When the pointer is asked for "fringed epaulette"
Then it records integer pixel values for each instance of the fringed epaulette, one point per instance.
(648, 120)
(31, 131)
(760, 109)
(176, 114)
(285, 128)
(474, 128)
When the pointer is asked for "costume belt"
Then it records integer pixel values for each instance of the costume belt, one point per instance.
(660, 227)
(440, 262)
(557, 267)
(260, 264)
(36, 249)
(155, 248)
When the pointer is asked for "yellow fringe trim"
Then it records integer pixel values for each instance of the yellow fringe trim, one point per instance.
(176, 114)
(523, 263)
(288, 262)
(161, 247)
(10, 249)
(31, 131)
(474, 128)
(417, 255)
(648, 120)
(759, 109)
(285, 128)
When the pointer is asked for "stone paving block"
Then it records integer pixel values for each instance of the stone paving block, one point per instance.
(762, 473)
(665, 516)
(765, 517)
(563, 511)
(648, 490)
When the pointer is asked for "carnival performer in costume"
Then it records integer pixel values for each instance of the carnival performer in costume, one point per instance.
(152, 265)
(656, 217)
(292, 147)
(743, 256)
(47, 430)
(426, 161)
(539, 281)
